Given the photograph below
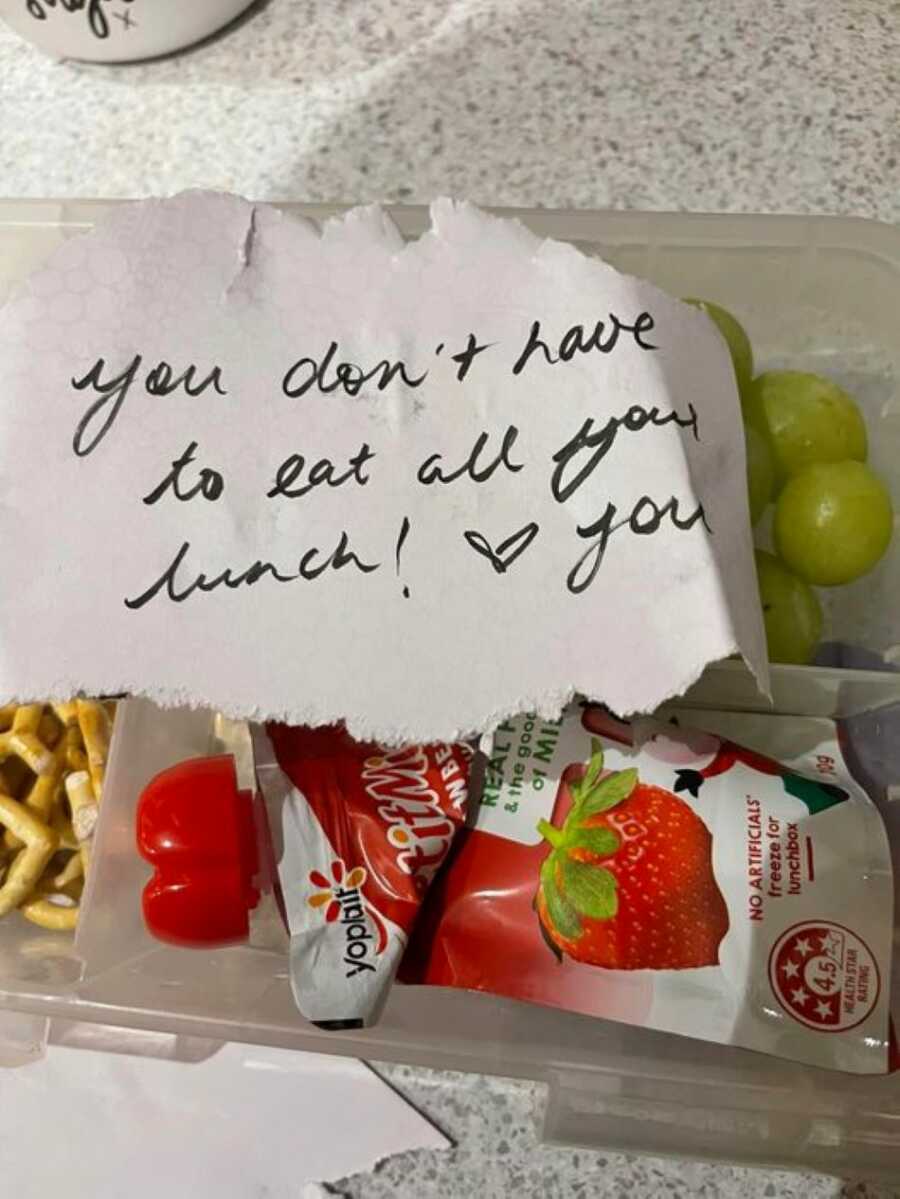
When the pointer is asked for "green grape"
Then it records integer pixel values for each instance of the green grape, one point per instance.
(760, 473)
(735, 338)
(806, 419)
(791, 612)
(833, 522)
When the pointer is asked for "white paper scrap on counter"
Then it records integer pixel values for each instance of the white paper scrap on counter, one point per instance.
(311, 475)
(247, 1121)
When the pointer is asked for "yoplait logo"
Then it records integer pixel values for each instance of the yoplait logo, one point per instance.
(410, 805)
(343, 902)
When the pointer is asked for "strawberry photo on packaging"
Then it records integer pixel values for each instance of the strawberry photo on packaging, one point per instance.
(666, 876)
(628, 883)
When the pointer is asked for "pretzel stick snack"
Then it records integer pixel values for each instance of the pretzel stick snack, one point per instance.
(66, 713)
(52, 768)
(23, 741)
(70, 873)
(54, 906)
(62, 826)
(40, 844)
(53, 916)
(84, 811)
(43, 795)
(76, 758)
(95, 729)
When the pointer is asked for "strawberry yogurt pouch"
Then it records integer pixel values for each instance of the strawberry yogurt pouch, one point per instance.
(667, 877)
(358, 832)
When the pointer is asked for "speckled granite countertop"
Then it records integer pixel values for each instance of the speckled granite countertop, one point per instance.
(492, 1122)
(779, 105)
(701, 104)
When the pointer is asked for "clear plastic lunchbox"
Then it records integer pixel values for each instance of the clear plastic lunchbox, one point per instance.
(818, 294)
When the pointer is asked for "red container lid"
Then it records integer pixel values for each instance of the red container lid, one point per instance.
(195, 827)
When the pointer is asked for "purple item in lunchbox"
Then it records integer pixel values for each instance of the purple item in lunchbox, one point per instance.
(870, 740)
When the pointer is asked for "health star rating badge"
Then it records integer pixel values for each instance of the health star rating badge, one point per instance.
(824, 976)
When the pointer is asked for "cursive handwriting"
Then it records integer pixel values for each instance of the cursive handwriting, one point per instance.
(100, 416)
(310, 567)
(320, 472)
(466, 357)
(496, 453)
(429, 472)
(574, 341)
(600, 442)
(645, 518)
(97, 21)
(210, 484)
(307, 373)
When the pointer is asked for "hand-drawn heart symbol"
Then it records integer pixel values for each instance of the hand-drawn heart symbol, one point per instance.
(507, 551)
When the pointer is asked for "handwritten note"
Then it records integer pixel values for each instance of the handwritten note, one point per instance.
(314, 474)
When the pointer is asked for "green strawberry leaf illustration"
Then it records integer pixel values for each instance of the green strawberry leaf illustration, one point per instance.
(591, 890)
(562, 915)
(592, 773)
(594, 767)
(599, 841)
(605, 795)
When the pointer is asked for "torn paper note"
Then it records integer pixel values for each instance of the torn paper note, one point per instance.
(248, 1121)
(313, 475)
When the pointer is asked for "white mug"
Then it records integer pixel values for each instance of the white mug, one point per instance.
(117, 30)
